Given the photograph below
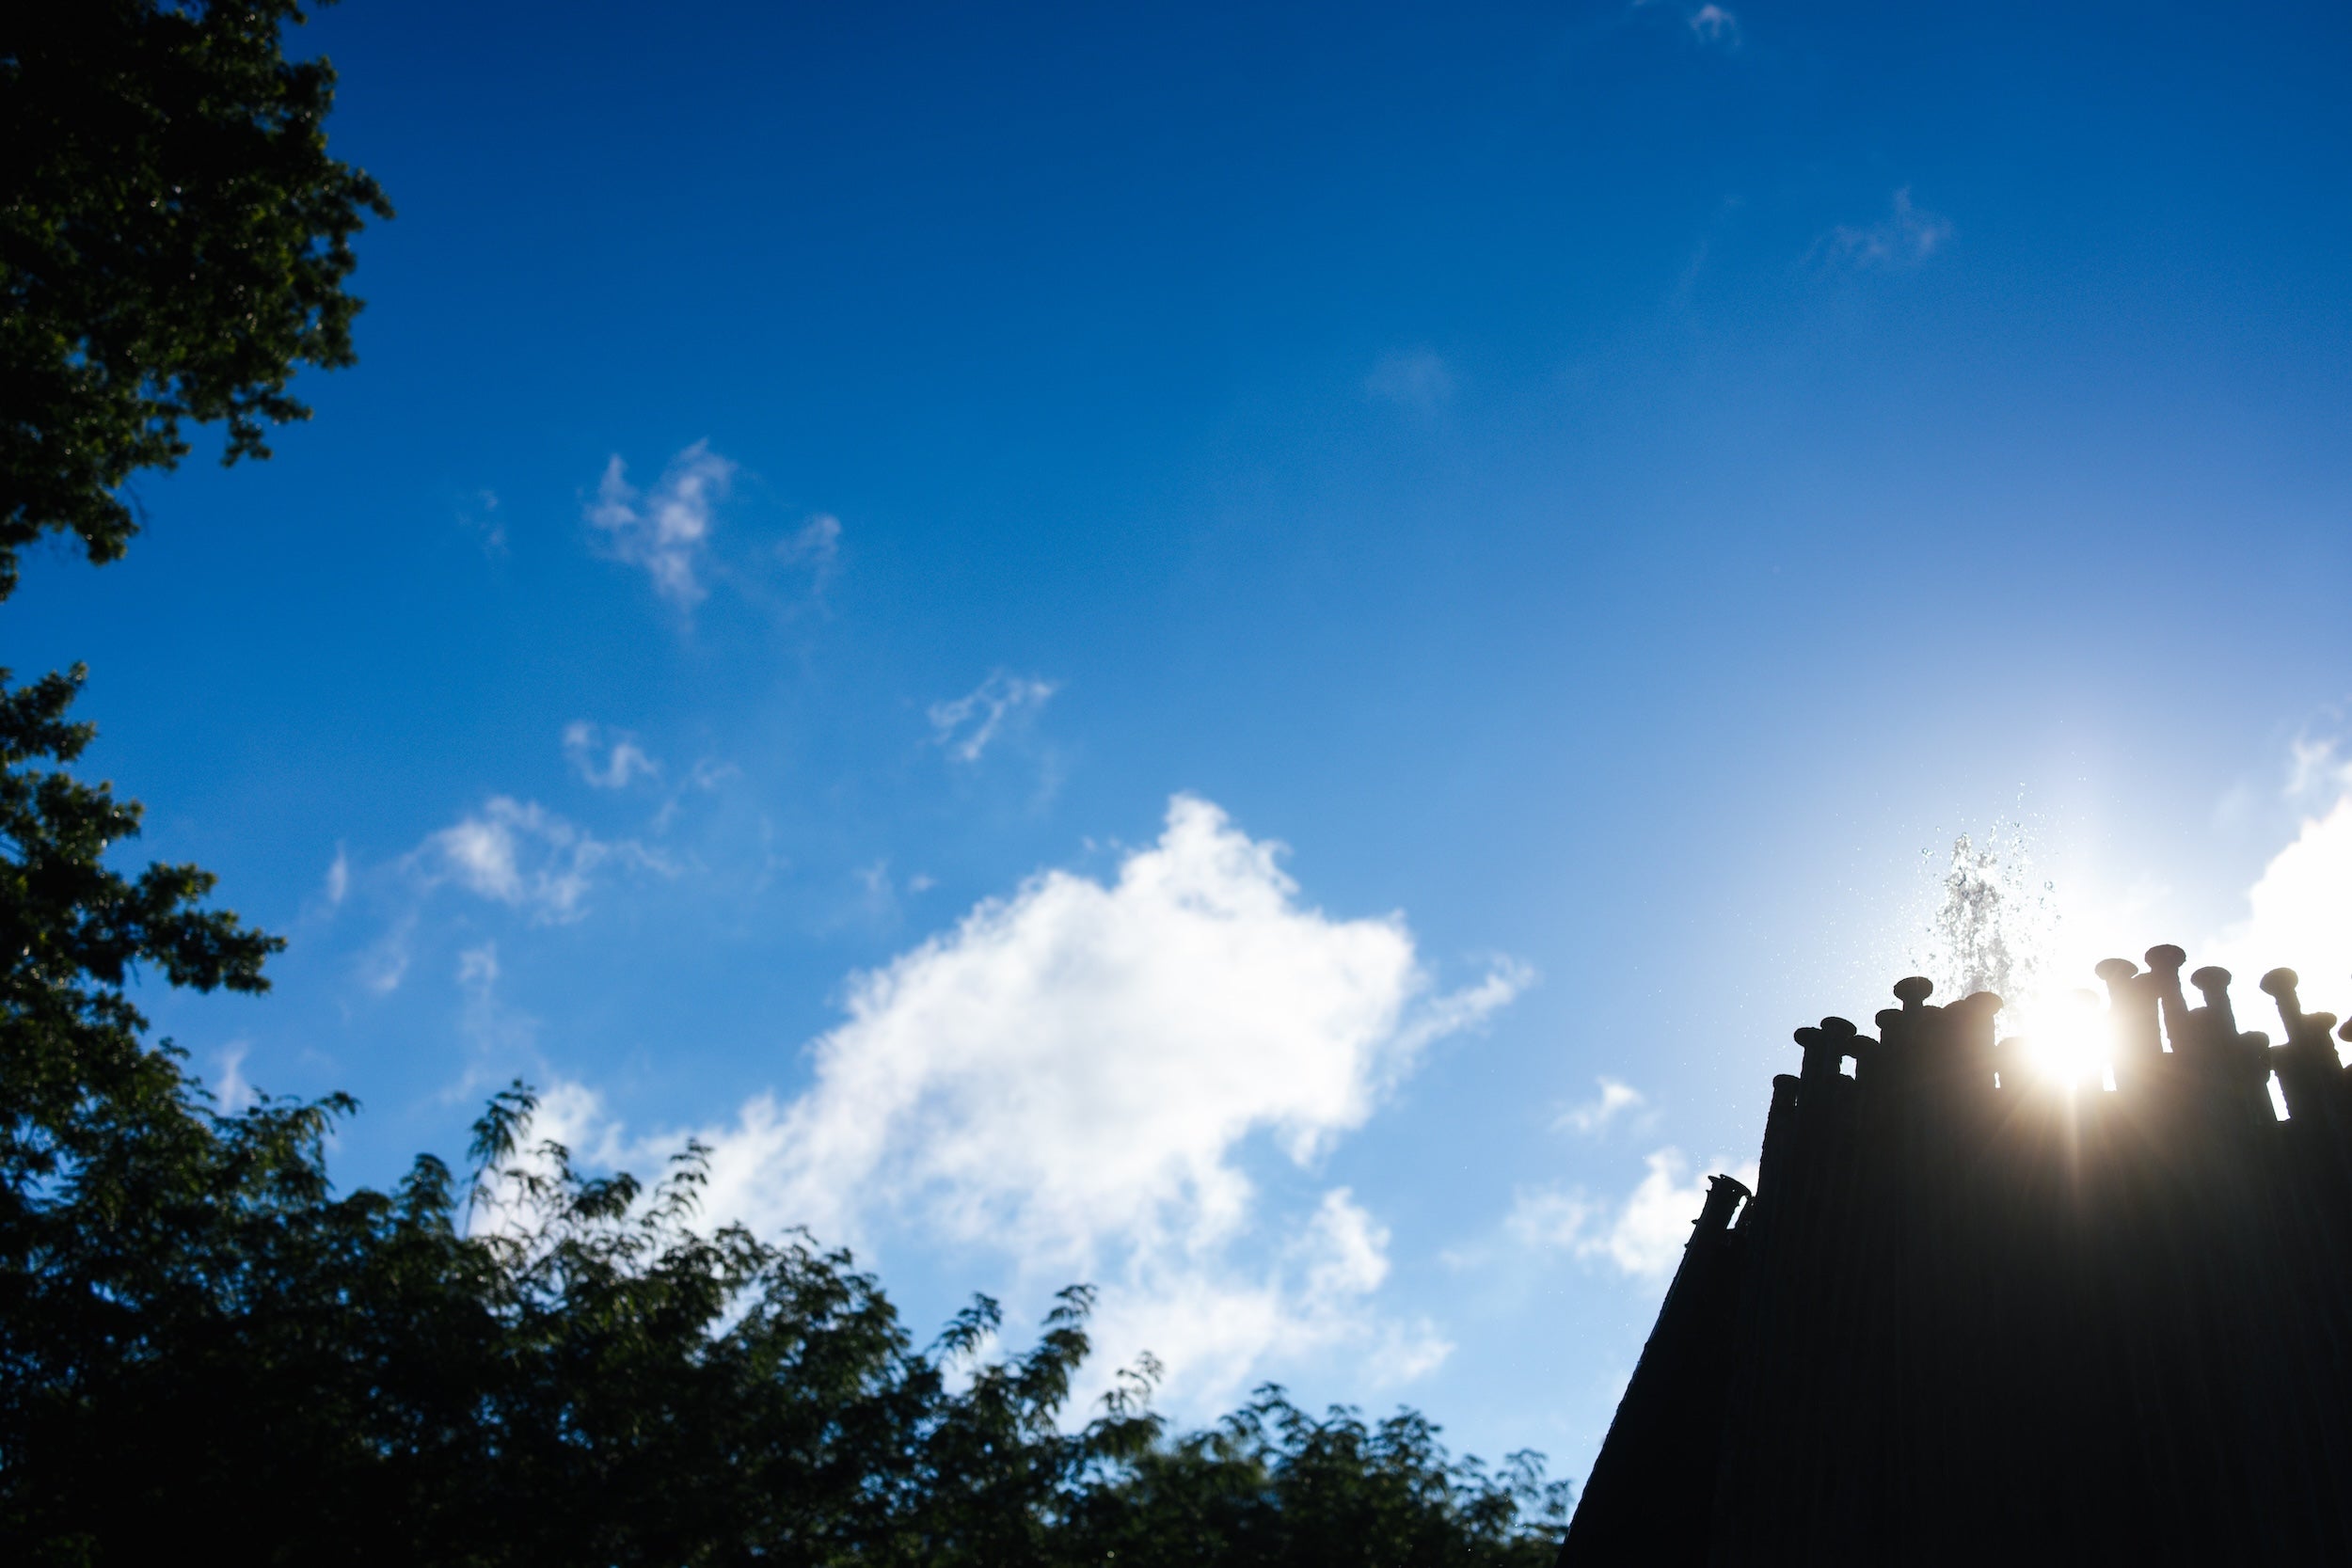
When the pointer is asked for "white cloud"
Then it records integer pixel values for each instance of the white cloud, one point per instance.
(966, 725)
(1070, 1062)
(1418, 380)
(337, 878)
(1906, 237)
(1070, 1079)
(2298, 914)
(520, 854)
(607, 766)
(1712, 23)
(1217, 1330)
(1643, 1236)
(1595, 1114)
(233, 1093)
(1649, 1232)
(667, 530)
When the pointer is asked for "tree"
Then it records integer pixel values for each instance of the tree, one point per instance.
(560, 1368)
(1271, 1486)
(74, 1071)
(174, 239)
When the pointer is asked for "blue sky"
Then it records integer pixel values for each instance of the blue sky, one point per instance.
(1142, 643)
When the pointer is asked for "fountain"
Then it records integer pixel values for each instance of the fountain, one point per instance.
(1979, 1306)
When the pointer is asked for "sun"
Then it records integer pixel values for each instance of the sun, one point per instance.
(2067, 1039)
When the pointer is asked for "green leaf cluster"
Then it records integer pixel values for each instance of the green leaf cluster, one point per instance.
(200, 1336)
(174, 239)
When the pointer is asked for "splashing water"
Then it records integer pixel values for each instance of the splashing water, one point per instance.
(1994, 926)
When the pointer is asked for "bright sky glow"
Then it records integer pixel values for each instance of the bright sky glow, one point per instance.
(1262, 655)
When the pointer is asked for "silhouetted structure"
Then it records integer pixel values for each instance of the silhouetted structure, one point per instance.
(1974, 1315)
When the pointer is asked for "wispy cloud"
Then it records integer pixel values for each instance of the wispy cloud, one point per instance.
(515, 853)
(385, 963)
(481, 516)
(501, 1040)
(2315, 773)
(665, 530)
(816, 547)
(1416, 379)
(1552, 1218)
(607, 762)
(1069, 1079)
(671, 532)
(1712, 23)
(1595, 1114)
(520, 854)
(965, 725)
(1906, 237)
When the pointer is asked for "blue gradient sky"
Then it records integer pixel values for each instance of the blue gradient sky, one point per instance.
(1613, 488)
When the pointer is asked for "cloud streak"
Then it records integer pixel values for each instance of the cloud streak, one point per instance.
(606, 765)
(1712, 23)
(1594, 1116)
(1905, 238)
(817, 547)
(967, 724)
(520, 854)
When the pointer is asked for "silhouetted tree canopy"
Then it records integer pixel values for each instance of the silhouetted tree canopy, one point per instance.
(74, 1070)
(173, 242)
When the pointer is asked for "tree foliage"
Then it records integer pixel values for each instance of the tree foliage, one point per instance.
(174, 240)
(73, 1069)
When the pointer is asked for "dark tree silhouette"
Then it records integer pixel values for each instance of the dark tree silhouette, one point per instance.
(73, 1069)
(174, 239)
